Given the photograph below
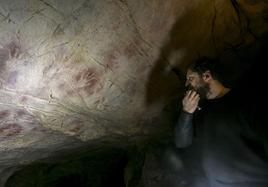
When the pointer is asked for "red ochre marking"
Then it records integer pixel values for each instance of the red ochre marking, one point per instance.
(4, 114)
(10, 129)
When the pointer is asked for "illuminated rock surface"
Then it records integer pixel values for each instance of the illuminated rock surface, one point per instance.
(77, 71)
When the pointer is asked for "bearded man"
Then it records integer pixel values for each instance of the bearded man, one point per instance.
(226, 133)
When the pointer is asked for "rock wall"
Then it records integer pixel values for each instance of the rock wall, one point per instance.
(73, 70)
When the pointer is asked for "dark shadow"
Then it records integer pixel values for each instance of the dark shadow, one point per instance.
(95, 168)
(254, 76)
(244, 69)
(164, 81)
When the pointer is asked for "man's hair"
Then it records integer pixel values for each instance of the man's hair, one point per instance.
(204, 64)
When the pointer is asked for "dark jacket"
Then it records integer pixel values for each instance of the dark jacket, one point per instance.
(232, 139)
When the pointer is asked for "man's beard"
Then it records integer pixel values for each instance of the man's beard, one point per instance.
(202, 90)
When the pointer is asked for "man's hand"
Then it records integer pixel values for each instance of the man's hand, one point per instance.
(190, 101)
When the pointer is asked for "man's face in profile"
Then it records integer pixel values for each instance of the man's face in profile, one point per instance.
(195, 82)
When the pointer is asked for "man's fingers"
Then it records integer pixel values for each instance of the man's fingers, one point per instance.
(188, 93)
(192, 95)
(196, 96)
(190, 100)
(197, 99)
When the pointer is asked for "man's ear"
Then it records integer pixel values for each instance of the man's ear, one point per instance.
(207, 75)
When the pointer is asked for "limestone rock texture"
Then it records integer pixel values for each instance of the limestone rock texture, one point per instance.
(77, 71)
